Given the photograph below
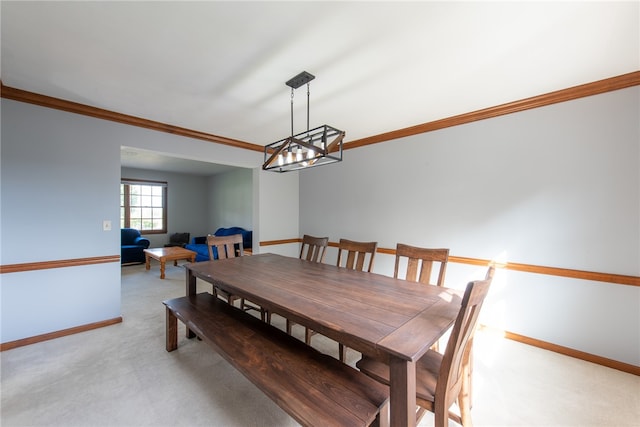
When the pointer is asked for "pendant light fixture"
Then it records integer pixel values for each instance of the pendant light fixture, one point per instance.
(314, 147)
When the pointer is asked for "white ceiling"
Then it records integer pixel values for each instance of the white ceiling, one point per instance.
(220, 67)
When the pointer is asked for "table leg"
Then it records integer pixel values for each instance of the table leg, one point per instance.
(147, 263)
(190, 280)
(402, 376)
(162, 264)
(172, 331)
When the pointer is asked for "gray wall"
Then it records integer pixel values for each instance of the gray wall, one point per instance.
(59, 181)
(60, 178)
(230, 200)
(555, 186)
(187, 207)
(279, 210)
(200, 205)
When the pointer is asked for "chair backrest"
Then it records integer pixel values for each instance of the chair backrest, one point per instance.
(316, 248)
(458, 348)
(225, 246)
(356, 254)
(247, 235)
(420, 262)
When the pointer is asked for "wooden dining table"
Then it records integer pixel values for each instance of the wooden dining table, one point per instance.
(371, 313)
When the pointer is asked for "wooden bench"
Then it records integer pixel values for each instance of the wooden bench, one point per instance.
(313, 388)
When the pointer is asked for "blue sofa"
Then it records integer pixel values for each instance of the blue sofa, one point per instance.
(199, 244)
(132, 246)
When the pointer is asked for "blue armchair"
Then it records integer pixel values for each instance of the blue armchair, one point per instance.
(199, 244)
(132, 246)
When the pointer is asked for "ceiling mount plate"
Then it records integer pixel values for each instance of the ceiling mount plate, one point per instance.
(300, 79)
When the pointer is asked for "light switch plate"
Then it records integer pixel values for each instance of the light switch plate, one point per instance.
(106, 225)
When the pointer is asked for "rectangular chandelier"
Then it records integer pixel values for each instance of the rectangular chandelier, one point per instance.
(314, 147)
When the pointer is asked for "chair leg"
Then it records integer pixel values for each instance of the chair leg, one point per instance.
(464, 397)
(465, 412)
(265, 316)
(440, 415)
(469, 377)
(343, 352)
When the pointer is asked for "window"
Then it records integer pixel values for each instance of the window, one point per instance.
(143, 205)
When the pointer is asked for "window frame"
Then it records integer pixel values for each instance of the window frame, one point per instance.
(127, 207)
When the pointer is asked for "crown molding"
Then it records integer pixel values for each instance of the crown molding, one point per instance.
(86, 110)
(575, 92)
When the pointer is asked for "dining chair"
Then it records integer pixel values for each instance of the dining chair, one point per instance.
(313, 249)
(353, 255)
(223, 247)
(420, 263)
(356, 254)
(488, 276)
(443, 379)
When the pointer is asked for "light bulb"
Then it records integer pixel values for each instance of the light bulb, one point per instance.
(289, 157)
(298, 154)
(280, 159)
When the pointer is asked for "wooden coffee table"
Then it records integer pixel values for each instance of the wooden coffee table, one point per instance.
(172, 253)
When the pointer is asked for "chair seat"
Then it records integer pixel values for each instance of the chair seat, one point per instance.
(427, 370)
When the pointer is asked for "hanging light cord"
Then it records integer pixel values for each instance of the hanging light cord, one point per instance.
(308, 97)
(308, 92)
(292, 112)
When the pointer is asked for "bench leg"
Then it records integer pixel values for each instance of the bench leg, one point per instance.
(172, 331)
(382, 420)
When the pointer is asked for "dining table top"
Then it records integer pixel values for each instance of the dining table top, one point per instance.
(372, 313)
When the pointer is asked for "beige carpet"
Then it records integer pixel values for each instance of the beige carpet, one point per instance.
(121, 375)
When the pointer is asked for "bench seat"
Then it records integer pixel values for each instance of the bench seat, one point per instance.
(313, 388)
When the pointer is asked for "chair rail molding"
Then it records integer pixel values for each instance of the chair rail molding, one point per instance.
(45, 265)
(619, 279)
